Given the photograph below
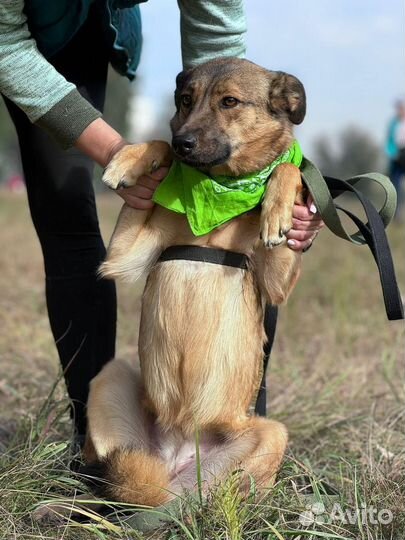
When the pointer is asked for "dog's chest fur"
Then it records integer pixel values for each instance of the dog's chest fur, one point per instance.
(201, 332)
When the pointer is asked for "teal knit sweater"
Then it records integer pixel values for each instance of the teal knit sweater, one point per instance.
(208, 29)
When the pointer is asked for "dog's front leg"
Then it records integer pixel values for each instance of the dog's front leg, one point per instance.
(134, 160)
(135, 244)
(277, 266)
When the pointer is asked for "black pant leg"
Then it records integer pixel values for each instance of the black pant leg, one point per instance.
(270, 323)
(81, 307)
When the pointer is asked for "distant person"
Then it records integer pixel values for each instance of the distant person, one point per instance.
(395, 150)
(15, 183)
(54, 56)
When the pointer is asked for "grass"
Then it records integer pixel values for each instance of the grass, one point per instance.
(336, 380)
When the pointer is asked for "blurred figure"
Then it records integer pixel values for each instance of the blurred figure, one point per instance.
(15, 183)
(395, 150)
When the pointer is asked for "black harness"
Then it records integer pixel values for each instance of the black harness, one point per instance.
(205, 254)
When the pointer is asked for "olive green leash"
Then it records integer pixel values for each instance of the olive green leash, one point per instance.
(324, 189)
(323, 200)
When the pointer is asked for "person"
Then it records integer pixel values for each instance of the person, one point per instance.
(395, 151)
(54, 56)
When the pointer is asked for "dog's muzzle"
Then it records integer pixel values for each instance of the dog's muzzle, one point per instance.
(183, 145)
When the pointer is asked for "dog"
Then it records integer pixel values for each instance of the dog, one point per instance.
(201, 332)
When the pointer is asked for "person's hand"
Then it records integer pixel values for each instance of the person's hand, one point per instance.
(306, 225)
(140, 196)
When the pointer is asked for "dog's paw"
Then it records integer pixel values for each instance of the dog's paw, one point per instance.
(54, 513)
(134, 160)
(59, 510)
(275, 223)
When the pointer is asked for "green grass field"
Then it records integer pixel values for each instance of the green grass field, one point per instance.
(336, 380)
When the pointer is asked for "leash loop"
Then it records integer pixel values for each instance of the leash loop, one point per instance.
(372, 233)
(323, 190)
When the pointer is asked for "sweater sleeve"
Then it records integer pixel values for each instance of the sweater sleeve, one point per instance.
(34, 85)
(210, 29)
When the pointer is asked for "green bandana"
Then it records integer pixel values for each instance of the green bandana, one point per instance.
(210, 202)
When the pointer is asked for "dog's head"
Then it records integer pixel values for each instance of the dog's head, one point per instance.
(234, 116)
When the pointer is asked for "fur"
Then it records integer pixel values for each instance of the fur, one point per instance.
(201, 335)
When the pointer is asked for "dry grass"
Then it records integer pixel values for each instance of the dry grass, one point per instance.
(336, 380)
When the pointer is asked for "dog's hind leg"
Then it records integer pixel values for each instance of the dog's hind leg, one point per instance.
(255, 450)
(215, 463)
(121, 433)
(262, 464)
(116, 418)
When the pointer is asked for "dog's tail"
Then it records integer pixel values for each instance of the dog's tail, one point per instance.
(130, 476)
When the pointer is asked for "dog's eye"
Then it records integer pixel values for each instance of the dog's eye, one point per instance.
(229, 102)
(186, 100)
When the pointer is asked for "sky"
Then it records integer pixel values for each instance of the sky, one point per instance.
(349, 54)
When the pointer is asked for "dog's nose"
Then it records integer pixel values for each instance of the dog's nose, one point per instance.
(183, 144)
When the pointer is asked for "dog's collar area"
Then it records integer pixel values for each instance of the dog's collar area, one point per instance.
(209, 202)
(222, 257)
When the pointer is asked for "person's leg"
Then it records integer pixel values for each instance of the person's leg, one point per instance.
(396, 174)
(270, 324)
(81, 307)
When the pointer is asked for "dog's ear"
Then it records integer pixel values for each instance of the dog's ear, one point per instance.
(181, 80)
(287, 95)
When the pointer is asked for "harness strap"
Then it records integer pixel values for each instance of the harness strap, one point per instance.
(205, 254)
(372, 233)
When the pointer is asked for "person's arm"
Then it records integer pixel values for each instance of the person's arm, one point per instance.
(211, 29)
(34, 85)
(54, 104)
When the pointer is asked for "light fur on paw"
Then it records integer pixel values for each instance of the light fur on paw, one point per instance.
(275, 222)
(134, 160)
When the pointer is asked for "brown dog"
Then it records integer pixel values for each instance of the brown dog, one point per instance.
(201, 335)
